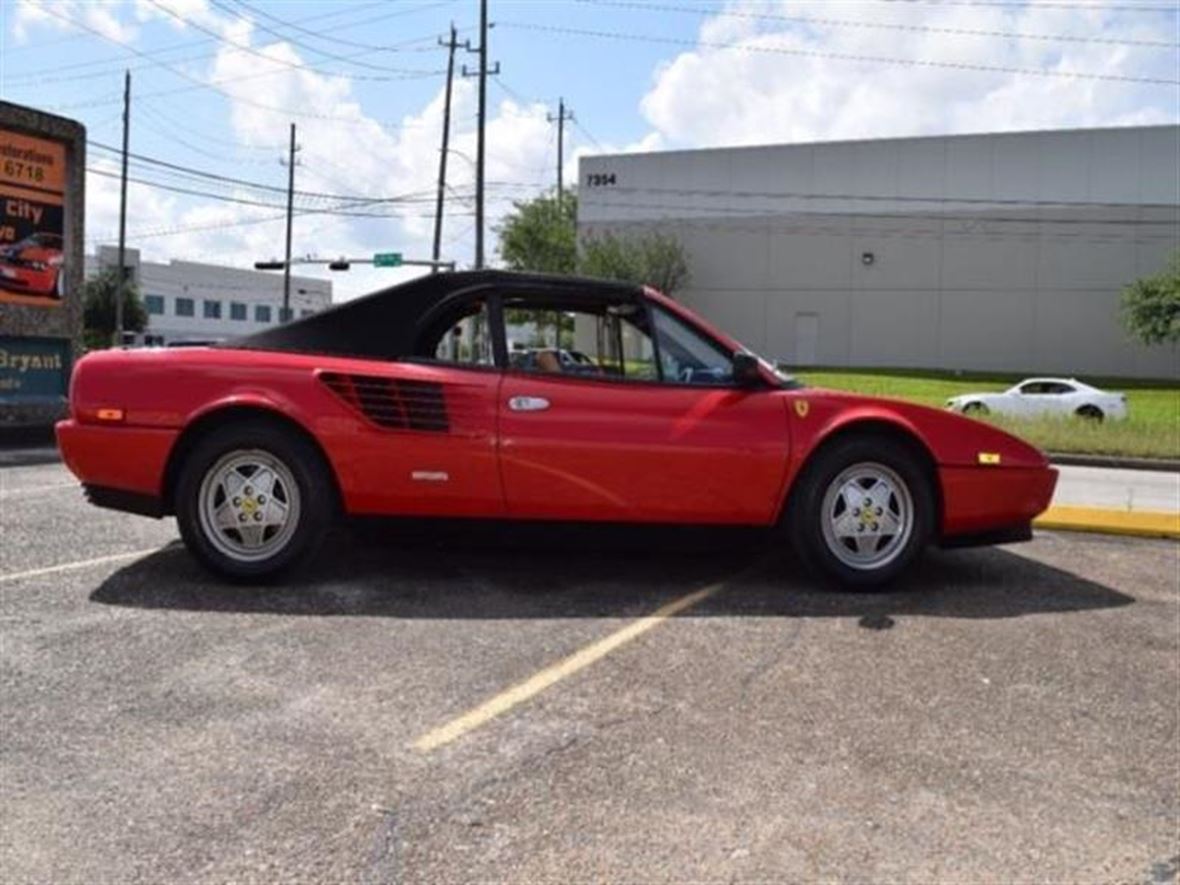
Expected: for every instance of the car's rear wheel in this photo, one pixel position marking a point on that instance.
(863, 510)
(253, 499)
(1090, 413)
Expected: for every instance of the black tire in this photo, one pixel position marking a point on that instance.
(806, 516)
(316, 499)
(975, 409)
(1090, 413)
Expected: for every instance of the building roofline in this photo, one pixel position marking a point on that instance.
(1077, 130)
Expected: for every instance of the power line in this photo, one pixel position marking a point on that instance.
(891, 26)
(295, 26)
(1041, 4)
(258, 203)
(347, 59)
(117, 61)
(199, 84)
(245, 47)
(215, 176)
(839, 56)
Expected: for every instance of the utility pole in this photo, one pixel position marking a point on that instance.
(122, 276)
(286, 312)
(483, 108)
(560, 119)
(451, 45)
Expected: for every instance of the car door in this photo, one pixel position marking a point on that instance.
(634, 438)
(1031, 399)
(428, 446)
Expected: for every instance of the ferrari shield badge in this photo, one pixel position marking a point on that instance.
(802, 407)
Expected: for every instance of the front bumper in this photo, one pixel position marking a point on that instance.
(117, 459)
(981, 500)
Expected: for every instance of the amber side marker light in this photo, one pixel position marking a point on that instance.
(109, 415)
(989, 457)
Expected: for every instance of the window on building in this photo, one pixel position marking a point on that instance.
(184, 307)
(306, 312)
(154, 304)
(237, 310)
(262, 313)
(285, 314)
(212, 310)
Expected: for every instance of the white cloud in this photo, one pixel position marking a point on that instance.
(58, 14)
(747, 91)
(343, 150)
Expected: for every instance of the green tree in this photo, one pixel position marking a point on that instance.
(539, 235)
(98, 309)
(652, 259)
(1151, 306)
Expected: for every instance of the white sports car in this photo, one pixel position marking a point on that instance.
(1034, 397)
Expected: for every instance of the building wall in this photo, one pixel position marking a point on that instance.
(213, 283)
(994, 252)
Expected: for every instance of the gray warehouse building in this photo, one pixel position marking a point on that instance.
(969, 252)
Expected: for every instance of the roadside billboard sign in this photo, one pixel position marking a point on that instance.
(33, 370)
(32, 219)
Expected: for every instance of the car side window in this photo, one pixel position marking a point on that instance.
(1058, 387)
(687, 357)
(601, 341)
(465, 339)
(1032, 388)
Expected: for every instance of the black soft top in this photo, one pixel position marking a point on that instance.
(387, 324)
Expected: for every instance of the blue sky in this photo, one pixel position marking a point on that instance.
(222, 79)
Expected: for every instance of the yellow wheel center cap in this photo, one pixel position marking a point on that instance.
(249, 505)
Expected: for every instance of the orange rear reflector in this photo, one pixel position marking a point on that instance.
(109, 415)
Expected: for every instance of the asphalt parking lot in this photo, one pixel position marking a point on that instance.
(503, 706)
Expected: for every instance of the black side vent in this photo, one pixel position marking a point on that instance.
(395, 403)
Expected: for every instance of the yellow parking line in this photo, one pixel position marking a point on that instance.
(81, 563)
(534, 685)
(1146, 523)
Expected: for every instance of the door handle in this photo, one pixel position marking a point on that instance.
(528, 404)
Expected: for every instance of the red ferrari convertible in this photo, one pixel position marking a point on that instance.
(413, 401)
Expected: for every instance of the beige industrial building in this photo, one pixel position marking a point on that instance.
(973, 252)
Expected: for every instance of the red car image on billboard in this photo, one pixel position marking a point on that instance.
(33, 266)
(32, 199)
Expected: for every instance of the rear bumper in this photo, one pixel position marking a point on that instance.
(977, 501)
(118, 463)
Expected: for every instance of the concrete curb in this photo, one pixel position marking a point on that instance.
(1115, 461)
(1140, 523)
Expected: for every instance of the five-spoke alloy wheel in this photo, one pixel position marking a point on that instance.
(862, 509)
(252, 499)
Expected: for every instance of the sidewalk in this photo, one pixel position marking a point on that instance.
(1101, 499)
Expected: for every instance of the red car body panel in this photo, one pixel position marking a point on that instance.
(603, 450)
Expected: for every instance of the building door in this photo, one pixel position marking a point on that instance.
(806, 338)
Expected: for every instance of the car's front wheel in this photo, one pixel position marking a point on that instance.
(862, 510)
(252, 500)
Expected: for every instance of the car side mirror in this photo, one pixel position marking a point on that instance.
(746, 371)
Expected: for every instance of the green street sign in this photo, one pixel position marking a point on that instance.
(387, 259)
